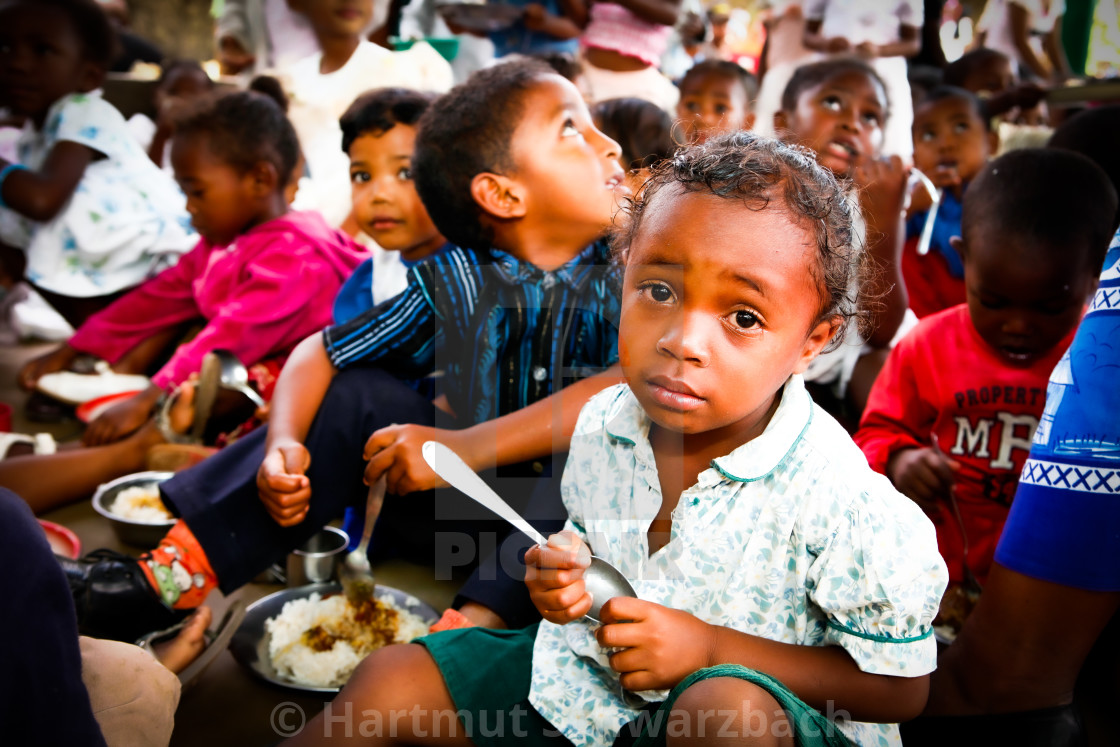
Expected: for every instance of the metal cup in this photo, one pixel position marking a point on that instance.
(314, 562)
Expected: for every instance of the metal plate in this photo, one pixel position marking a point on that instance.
(250, 643)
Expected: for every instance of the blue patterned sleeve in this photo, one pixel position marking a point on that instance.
(879, 581)
(399, 334)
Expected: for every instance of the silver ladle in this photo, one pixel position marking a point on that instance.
(601, 579)
(235, 377)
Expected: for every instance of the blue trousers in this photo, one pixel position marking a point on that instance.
(443, 528)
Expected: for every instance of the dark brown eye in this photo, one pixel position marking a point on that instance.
(745, 319)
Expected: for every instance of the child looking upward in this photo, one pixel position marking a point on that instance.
(642, 130)
(961, 431)
(260, 279)
(84, 214)
(716, 97)
(379, 134)
(523, 322)
(952, 142)
(777, 575)
(837, 108)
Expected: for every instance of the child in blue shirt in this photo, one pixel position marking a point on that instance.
(778, 578)
(520, 315)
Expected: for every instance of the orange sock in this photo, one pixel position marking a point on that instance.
(178, 569)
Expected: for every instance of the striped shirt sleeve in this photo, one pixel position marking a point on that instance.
(399, 334)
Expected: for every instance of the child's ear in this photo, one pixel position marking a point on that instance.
(815, 342)
(92, 77)
(958, 245)
(781, 121)
(498, 195)
(264, 179)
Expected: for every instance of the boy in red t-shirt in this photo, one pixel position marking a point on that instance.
(954, 409)
(952, 142)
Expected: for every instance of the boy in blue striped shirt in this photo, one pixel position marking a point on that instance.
(521, 318)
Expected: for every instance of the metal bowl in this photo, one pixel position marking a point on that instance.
(136, 533)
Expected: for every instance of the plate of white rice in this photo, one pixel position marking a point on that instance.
(310, 638)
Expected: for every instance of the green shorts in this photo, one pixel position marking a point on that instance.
(488, 672)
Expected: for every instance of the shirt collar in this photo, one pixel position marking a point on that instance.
(574, 273)
(753, 460)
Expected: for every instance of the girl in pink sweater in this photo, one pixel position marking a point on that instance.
(260, 279)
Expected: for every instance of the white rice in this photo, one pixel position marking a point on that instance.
(298, 662)
(142, 504)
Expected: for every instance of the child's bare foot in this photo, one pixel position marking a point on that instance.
(181, 416)
(188, 645)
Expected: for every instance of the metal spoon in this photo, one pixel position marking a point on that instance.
(354, 572)
(602, 580)
(235, 376)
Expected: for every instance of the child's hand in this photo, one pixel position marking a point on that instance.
(867, 50)
(882, 188)
(837, 45)
(924, 475)
(660, 645)
(57, 360)
(119, 421)
(554, 575)
(535, 16)
(396, 452)
(282, 483)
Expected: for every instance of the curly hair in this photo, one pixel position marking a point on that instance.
(467, 132)
(816, 73)
(89, 23)
(377, 111)
(762, 173)
(244, 128)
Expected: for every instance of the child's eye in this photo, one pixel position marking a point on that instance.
(570, 130)
(405, 174)
(991, 303)
(926, 136)
(359, 177)
(831, 102)
(722, 109)
(657, 292)
(692, 107)
(961, 127)
(745, 319)
(872, 118)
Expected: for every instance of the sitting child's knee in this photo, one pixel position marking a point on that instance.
(731, 708)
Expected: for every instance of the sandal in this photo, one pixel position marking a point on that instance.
(41, 443)
(217, 641)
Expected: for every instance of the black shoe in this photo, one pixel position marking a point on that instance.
(113, 598)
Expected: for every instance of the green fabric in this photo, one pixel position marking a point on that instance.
(812, 729)
(1077, 22)
(487, 673)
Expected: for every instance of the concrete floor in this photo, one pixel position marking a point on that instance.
(227, 705)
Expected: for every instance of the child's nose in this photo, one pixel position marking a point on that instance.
(1018, 325)
(687, 339)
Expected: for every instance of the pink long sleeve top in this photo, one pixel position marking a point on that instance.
(258, 296)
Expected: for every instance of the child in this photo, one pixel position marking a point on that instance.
(379, 132)
(837, 108)
(952, 142)
(643, 131)
(739, 510)
(259, 280)
(716, 97)
(523, 323)
(86, 209)
(180, 83)
(326, 83)
(961, 432)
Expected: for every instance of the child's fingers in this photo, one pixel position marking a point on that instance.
(381, 439)
(623, 609)
(569, 543)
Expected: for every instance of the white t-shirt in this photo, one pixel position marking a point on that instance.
(996, 21)
(874, 21)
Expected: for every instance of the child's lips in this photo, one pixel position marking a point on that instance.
(617, 182)
(674, 394)
(842, 149)
(381, 223)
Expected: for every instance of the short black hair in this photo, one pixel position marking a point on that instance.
(566, 64)
(271, 87)
(923, 79)
(377, 111)
(467, 132)
(91, 25)
(244, 128)
(815, 73)
(642, 129)
(727, 69)
(760, 171)
(1052, 199)
(957, 72)
(1092, 133)
(942, 93)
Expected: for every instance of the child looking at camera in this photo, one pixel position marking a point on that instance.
(777, 576)
(837, 108)
(960, 432)
(379, 134)
(84, 213)
(952, 142)
(716, 96)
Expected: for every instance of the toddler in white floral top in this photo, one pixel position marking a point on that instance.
(785, 591)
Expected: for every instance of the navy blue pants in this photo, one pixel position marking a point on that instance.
(218, 500)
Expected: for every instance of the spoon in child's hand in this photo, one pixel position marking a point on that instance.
(601, 579)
